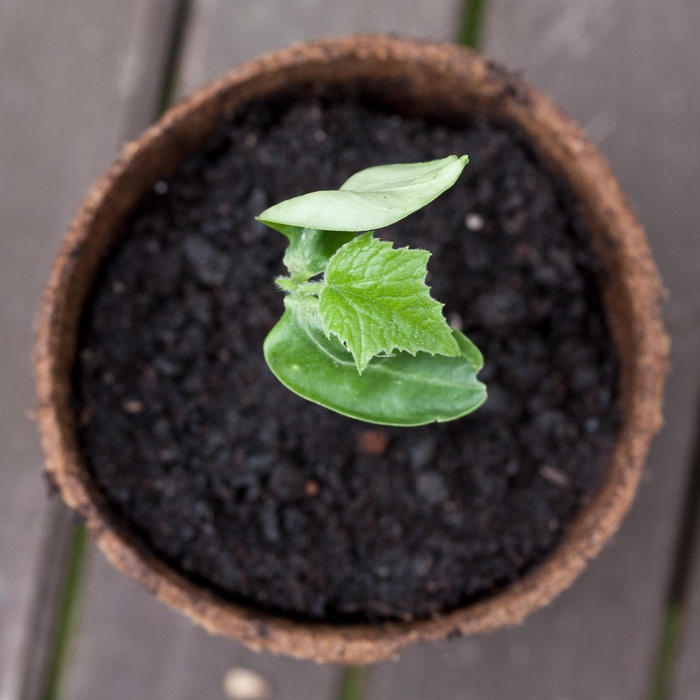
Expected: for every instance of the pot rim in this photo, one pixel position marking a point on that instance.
(631, 294)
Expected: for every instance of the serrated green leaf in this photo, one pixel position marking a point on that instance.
(375, 301)
(371, 199)
(403, 390)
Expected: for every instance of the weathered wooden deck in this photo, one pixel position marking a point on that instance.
(78, 77)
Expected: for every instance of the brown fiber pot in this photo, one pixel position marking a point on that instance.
(416, 77)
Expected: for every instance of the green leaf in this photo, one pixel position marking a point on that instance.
(403, 390)
(375, 301)
(309, 250)
(371, 199)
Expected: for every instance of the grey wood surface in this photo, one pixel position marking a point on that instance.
(131, 646)
(628, 71)
(685, 676)
(150, 651)
(224, 33)
(66, 84)
(36, 659)
(79, 76)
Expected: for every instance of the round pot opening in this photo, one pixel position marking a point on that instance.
(417, 79)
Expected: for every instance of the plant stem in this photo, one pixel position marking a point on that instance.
(174, 53)
(668, 647)
(470, 31)
(299, 286)
(352, 683)
(67, 614)
(682, 578)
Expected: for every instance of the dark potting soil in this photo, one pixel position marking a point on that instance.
(274, 501)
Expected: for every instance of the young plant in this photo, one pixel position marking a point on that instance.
(366, 339)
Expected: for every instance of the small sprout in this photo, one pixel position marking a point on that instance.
(367, 340)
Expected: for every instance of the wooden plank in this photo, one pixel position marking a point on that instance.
(685, 676)
(65, 88)
(131, 646)
(625, 69)
(224, 33)
(38, 659)
(127, 645)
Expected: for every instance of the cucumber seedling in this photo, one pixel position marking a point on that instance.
(360, 333)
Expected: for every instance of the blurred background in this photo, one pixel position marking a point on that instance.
(77, 79)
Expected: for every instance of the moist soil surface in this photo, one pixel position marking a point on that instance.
(278, 503)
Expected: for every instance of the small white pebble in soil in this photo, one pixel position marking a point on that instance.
(554, 476)
(119, 287)
(320, 136)
(243, 684)
(133, 406)
(474, 222)
(250, 139)
(161, 187)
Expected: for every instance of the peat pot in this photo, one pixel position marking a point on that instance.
(413, 79)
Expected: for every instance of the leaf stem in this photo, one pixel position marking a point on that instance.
(299, 286)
